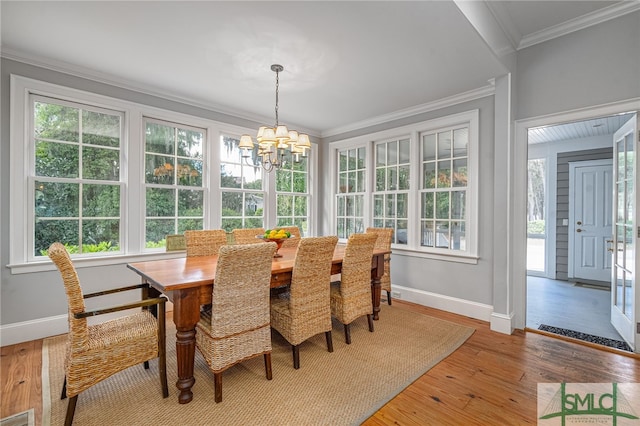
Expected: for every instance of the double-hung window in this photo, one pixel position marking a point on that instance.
(76, 186)
(292, 194)
(241, 187)
(391, 193)
(173, 176)
(350, 214)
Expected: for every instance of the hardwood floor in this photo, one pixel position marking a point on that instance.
(491, 379)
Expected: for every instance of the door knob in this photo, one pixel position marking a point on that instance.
(579, 222)
(578, 230)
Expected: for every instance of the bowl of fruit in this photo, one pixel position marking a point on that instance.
(278, 236)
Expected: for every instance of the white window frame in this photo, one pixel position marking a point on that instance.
(413, 247)
(132, 173)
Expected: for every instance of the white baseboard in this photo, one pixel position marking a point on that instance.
(26, 331)
(446, 303)
(502, 323)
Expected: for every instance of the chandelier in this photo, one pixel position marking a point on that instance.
(273, 142)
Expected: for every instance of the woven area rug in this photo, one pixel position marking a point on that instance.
(340, 388)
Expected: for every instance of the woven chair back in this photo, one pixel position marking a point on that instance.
(205, 242)
(311, 278)
(241, 288)
(356, 266)
(295, 233)
(247, 236)
(383, 242)
(78, 330)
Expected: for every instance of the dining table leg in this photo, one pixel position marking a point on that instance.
(186, 313)
(376, 289)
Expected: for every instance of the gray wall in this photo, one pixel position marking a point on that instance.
(593, 66)
(562, 202)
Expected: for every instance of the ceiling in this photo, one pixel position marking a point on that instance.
(344, 62)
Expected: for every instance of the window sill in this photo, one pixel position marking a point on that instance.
(79, 263)
(468, 259)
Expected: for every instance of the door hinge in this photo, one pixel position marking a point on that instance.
(638, 331)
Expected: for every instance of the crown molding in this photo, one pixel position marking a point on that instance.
(471, 95)
(99, 77)
(590, 19)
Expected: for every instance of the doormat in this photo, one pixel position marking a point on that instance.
(591, 286)
(618, 344)
(21, 419)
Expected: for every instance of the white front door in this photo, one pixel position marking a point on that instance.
(624, 300)
(590, 220)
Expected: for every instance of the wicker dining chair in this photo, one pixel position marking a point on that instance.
(384, 243)
(96, 352)
(351, 296)
(247, 235)
(295, 233)
(237, 327)
(205, 242)
(304, 310)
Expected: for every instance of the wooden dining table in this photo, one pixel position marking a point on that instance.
(188, 283)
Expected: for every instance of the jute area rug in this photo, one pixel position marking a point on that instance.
(340, 388)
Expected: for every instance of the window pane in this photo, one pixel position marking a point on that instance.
(160, 139)
(342, 186)
(231, 204)
(341, 206)
(442, 235)
(460, 172)
(160, 202)
(403, 177)
(156, 231)
(390, 202)
(57, 159)
(360, 181)
(392, 178)
(49, 231)
(402, 205)
(350, 202)
(400, 234)
(283, 180)
(362, 158)
(190, 203)
(444, 174)
(342, 162)
(100, 235)
(444, 145)
(351, 181)
(460, 142)
(341, 228)
(100, 164)
(392, 153)
(100, 129)
(429, 175)
(159, 169)
(253, 204)
(189, 172)
(230, 176)
(458, 204)
(100, 200)
(359, 206)
(381, 155)
(429, 147)
(378, 205)
(56, 122)
(405, 151)
(427, 205)
(56, 199)
(353, 162)
(284, 205)
(380, 179)
(300, 206)
(188, 224)
(190, 143)
(458, 237)
(442, 205)
(427, 233)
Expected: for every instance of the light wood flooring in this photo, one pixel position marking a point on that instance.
(490, 380)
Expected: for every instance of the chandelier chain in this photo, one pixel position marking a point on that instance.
(277, 92)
